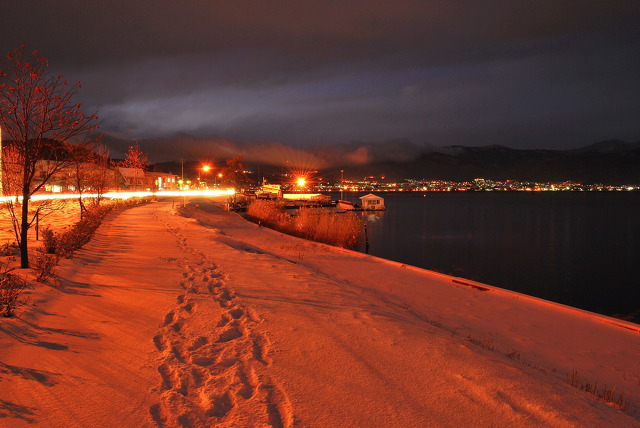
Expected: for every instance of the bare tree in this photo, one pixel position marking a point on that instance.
(234, 173)
(101, 176)
(137, 160)
(12, 174)
(37, 114)
(90, 172)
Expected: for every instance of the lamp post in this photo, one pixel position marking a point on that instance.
(204, 169)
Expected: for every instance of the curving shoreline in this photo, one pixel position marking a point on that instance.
(162, 319)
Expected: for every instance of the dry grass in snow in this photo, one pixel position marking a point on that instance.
(317, 224)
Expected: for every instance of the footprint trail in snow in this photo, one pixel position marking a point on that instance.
(214, 360)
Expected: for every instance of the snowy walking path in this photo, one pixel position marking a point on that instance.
(212, 321)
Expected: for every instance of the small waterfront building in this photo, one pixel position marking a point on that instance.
(371, 202)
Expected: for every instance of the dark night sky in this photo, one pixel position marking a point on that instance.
(205, 78)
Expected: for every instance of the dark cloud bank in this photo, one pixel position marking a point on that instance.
(306, 81)
(610, 162)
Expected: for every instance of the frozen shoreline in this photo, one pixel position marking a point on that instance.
(238, 325)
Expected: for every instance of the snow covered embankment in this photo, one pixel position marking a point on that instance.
(214, 321)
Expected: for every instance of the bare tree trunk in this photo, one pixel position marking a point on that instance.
(80, 183)
(82, 207)
(24, 232)
(24, 220)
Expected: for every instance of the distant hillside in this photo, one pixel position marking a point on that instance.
(610, 162)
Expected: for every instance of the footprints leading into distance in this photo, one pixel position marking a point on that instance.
(213, 360)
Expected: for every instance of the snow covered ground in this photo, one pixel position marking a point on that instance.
(163, 320)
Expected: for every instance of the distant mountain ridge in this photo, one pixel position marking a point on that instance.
(609, 146)
(608, 162)
(612, 162)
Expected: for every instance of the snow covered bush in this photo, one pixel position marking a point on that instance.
(9, 249)
(11, 286)
(80, 233)
(44, 266)
(49, 241)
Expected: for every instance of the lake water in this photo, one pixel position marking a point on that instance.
(580, 249)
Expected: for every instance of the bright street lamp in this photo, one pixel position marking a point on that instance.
(204, 169)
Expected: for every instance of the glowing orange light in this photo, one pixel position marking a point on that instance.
(301, 181)
(206, 168)
(124, 195)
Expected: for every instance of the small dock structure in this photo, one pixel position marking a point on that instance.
(308, 200)
(372, 202)
(269, 191)
(343, 205)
